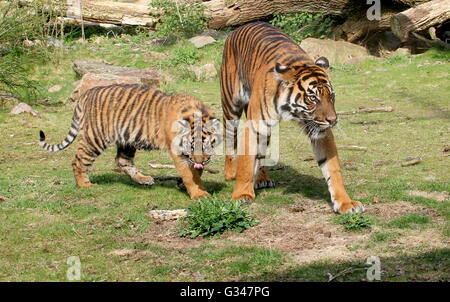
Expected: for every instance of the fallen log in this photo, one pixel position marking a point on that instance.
(367, 110)
(420, 18)
(410, 3)
(358, 26)
(234, 12)
(93, 12)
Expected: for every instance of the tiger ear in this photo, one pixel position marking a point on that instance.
(182, 127)
(285, 73)
(213, 125)
(323, 62)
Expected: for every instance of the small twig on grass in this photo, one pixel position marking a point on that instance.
(412, 162)
(365, 266)
(153, 164)
(367, 110)
(352, 147)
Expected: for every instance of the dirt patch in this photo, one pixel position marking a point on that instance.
(305, 230)
(389, 211)
(165, 235)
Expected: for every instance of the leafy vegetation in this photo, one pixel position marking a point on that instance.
(183, 19)
(354, 222)
(23, 32)
(213, 215)
(304, 25)
(184, 55)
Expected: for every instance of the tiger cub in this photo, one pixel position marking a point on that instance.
(139, 117)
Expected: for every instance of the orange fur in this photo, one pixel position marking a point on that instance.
(139, 117)
(268, 77)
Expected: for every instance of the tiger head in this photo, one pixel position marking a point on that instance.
(197, 138)
(306, 95)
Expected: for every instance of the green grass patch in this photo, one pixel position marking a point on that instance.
(212, 216)
(409, 221)
(354, 222)
(380, 237)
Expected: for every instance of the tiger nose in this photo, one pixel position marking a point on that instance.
(332, 120)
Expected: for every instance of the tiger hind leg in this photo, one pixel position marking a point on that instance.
(83, 161)
(125, 162)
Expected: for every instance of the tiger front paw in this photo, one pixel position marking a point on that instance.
(350, 206)
(199, 194)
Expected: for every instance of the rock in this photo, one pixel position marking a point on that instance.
(22, 107)
(55, 88)
(200, 41)
(83, 67)
(148, 77)
(206, 72)
(337, 52)
(401, 52)
(216, 34)
(164, 215)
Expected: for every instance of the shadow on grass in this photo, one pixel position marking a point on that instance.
(430, 266)
(112, 178)
(294, 182)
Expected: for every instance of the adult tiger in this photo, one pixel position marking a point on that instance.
(140, 117)
(267, 75)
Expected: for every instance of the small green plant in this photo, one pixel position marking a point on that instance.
(178, 18)
(304, 25)
(409, 221)
(354, 222)
(213, 216)
(184, 55)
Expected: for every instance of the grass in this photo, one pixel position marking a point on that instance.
(354, 222)
(46, 219)
(409, 221)
(212, 216)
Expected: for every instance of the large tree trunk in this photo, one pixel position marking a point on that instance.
(410, 2)
(358, 27)
(419, 18)
(109, 12)
(234, 12)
